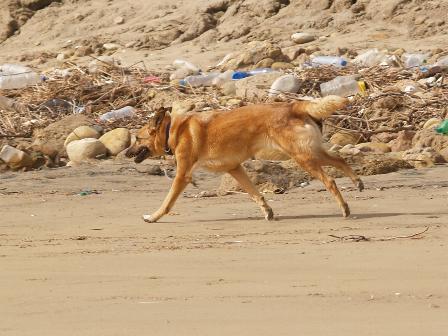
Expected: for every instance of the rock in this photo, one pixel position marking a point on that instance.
(267, 176)
(432, 123)
(180, 107)
(116, 140)
(119, 20)
(349, 149)
(15, 158)
(402, 142)
(344, 138)
(282, 66)
(286, 83)
(423, 157)
(265, 63)
(358, 8)
(50, 140)
(420, 19)
(111, 46)
(301, 38)
(374, 147)
(36, 4)
(429, 138)
(83, 51)
(254, 52)
(389, 103)
(293, 52)
(61, 57)
(384, 137)
(233, 102)
(228, 88)
(82, 132)
(85, 149)
(255, 86)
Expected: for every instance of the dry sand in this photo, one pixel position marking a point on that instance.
(87, 265)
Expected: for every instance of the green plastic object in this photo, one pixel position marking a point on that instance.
(443, 127)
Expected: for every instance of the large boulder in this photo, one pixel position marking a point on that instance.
(15, 158)
(257, 86)
(374, 147)
(116, 140)
(50, 140)
(83, 150)
(402, 142)
(423, 157)
(429, 138)
(254, 52)
(82, 132)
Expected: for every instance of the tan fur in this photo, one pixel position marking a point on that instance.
(221, 140)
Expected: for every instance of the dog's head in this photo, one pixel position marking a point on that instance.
(150, 139)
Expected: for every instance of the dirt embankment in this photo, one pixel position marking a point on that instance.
(35, 31)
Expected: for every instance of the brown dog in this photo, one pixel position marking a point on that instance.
(221, 140)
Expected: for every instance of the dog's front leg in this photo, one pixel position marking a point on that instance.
(183, 177)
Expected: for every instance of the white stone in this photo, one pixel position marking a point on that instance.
(301, 38)
(85, 149)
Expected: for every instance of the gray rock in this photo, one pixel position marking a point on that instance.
(301, 38)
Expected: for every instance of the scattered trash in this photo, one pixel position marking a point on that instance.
(14, 76)
(370, 58)
(328, 60)
(443, 127)
(151, 79)
(124, 112)
(87, 192)
(343, 86)
(414, 60)
(199, 80)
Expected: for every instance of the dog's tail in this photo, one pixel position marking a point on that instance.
(320, 108)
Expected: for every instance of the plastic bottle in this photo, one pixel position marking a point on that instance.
(223, 78)
(260, 71)
(443, 127)
(443, 61)
(414, 60)
(125, 112)
(199, 80)
(343, 86)
(179, 63)
(328, 60)
(14, 76)
(370, 58)
(240, 75)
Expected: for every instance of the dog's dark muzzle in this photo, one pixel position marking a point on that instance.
(140, 154)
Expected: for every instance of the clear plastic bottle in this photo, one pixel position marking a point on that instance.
(199, 80)
(125, 112)
(13, 76)
(179, 63)
(328, 60)
(370, 58)
(343, 86)
(414, 60)
(260, 71)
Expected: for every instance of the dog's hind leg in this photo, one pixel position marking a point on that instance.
(240, 175)
(314, 168)
(339, 163)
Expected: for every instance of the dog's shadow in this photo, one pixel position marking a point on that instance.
(352, 217)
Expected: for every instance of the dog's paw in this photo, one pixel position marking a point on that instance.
(269, 215)
(360, 185)
(346, 211)
(148, 219)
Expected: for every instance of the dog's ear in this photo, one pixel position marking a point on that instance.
(158, 117)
